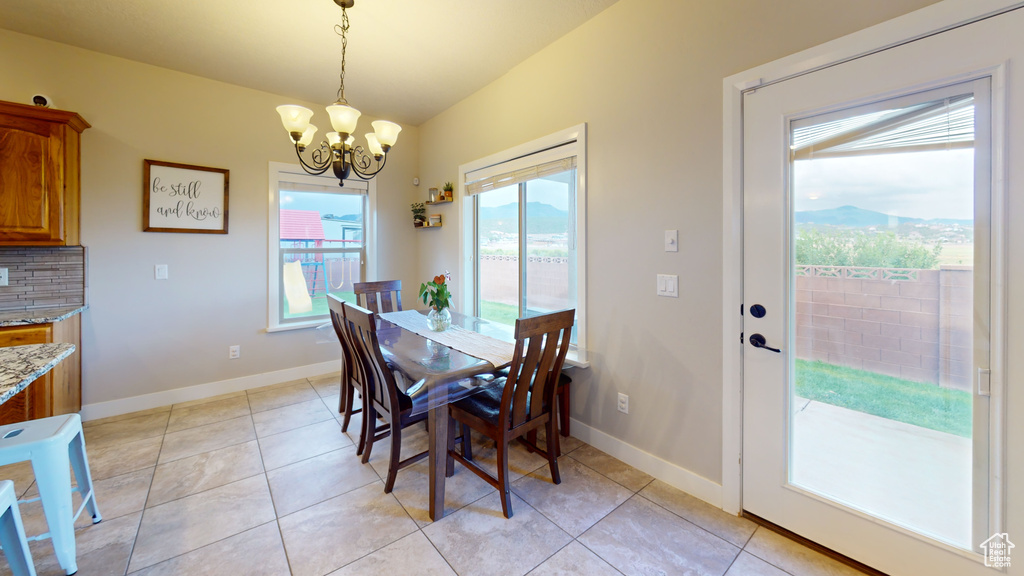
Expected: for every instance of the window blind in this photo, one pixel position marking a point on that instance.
(545, 163)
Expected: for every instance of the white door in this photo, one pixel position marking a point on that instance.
(869, 425)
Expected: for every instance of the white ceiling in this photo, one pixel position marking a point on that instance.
(408, 60)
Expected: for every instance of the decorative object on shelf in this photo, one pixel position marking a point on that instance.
(337, 152)
(419, 213)
(184, 198)
(436, 295)
(434, 195)
(435, 220)
(448, 189)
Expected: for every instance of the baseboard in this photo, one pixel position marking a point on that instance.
(663, 470)
(199, 391)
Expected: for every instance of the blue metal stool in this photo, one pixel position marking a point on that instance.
(51, 444)
(12, 533)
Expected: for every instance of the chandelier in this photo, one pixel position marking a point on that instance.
(337, 152)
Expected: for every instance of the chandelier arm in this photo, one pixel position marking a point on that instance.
(361, 168)
(319, 164)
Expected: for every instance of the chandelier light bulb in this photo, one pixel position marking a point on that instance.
(343, 117)
(374, 145)
(307, 136)
(295, 119)
(387, 133)
(334, 139)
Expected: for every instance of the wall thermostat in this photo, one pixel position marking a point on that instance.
(415, 181)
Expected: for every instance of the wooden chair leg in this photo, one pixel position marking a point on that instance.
(345, 404)
(369, 430)
(503, 487)
(563, 410)
(553, 450)
(396, 456)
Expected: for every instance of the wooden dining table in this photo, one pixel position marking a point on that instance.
(442, 373)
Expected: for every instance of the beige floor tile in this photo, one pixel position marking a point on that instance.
(183, 418)
(327, 385)
(520, 460)
(270, 387)
(411, 555)
(116, 497)
(640, 537)
(128, 416)
(574, 560)
(290, 417)
(21, 474)
(316, 479)
(195, 521)
(268, 399)
(117, 459)
(101, 549)
(216, 398)
(583, 497)
(295, 445)
(732, 528)
(748, 565)
(129, 430)
(324, 537)
(178, 445)
(793, 557)
(414, 441)
(478, 539)
(612, 467)
(413, 484)
(204, 471)
(256, 552)
(569, 444)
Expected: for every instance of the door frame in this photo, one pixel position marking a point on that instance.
(927, 21)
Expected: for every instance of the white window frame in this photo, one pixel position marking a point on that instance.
(283, 172)
(577, 355)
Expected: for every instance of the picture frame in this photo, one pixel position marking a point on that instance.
(184, 198)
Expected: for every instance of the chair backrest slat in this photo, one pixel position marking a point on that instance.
(349, 368)
(382, 296)
(383, 390)
(541, 345)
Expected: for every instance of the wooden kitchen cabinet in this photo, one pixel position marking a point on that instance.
(57, 392)
(39, 175)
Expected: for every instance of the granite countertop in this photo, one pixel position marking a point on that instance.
(21, 365)
(39, 316)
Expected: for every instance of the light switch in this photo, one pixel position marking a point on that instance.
(671, 240)
(160, 271)
(668, 285)
(4, 277)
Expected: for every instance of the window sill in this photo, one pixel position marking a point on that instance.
(298, 325)
(576, 359)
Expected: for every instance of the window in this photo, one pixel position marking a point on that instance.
(523, 231)
(320, 243)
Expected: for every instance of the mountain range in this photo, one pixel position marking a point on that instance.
(511, 210)
(853, 217)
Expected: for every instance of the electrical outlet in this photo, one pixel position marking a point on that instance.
(160, 271)
(623, 403)
(4, 277)
(234, 351)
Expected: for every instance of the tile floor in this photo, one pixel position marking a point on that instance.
(263, 482)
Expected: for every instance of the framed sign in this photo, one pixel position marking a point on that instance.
(184, 198)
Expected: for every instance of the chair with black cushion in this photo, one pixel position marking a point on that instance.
(381, 396)
(515, 405)
(352, 376)
(377, 297)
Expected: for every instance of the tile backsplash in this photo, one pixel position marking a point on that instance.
(43, 277)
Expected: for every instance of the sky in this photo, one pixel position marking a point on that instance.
(937, 184)
(325, 203)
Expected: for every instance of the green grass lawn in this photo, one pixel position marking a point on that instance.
(917, 403)
(501, 313)
(320, 305)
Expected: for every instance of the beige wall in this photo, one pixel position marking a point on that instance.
(141, 335)
(646, 76)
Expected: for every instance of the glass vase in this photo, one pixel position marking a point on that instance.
(439, 320)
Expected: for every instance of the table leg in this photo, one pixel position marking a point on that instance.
(438, 436)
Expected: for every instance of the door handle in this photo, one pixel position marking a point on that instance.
(758, 341)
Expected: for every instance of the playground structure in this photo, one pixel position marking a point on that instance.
(321, 273)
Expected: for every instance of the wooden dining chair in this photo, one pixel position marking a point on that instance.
(516, 405)
(381, 397)
(377, 297)
(352, 375)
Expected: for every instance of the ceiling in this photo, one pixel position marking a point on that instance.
(408, 60)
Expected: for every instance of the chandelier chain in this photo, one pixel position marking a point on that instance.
(342, 30)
